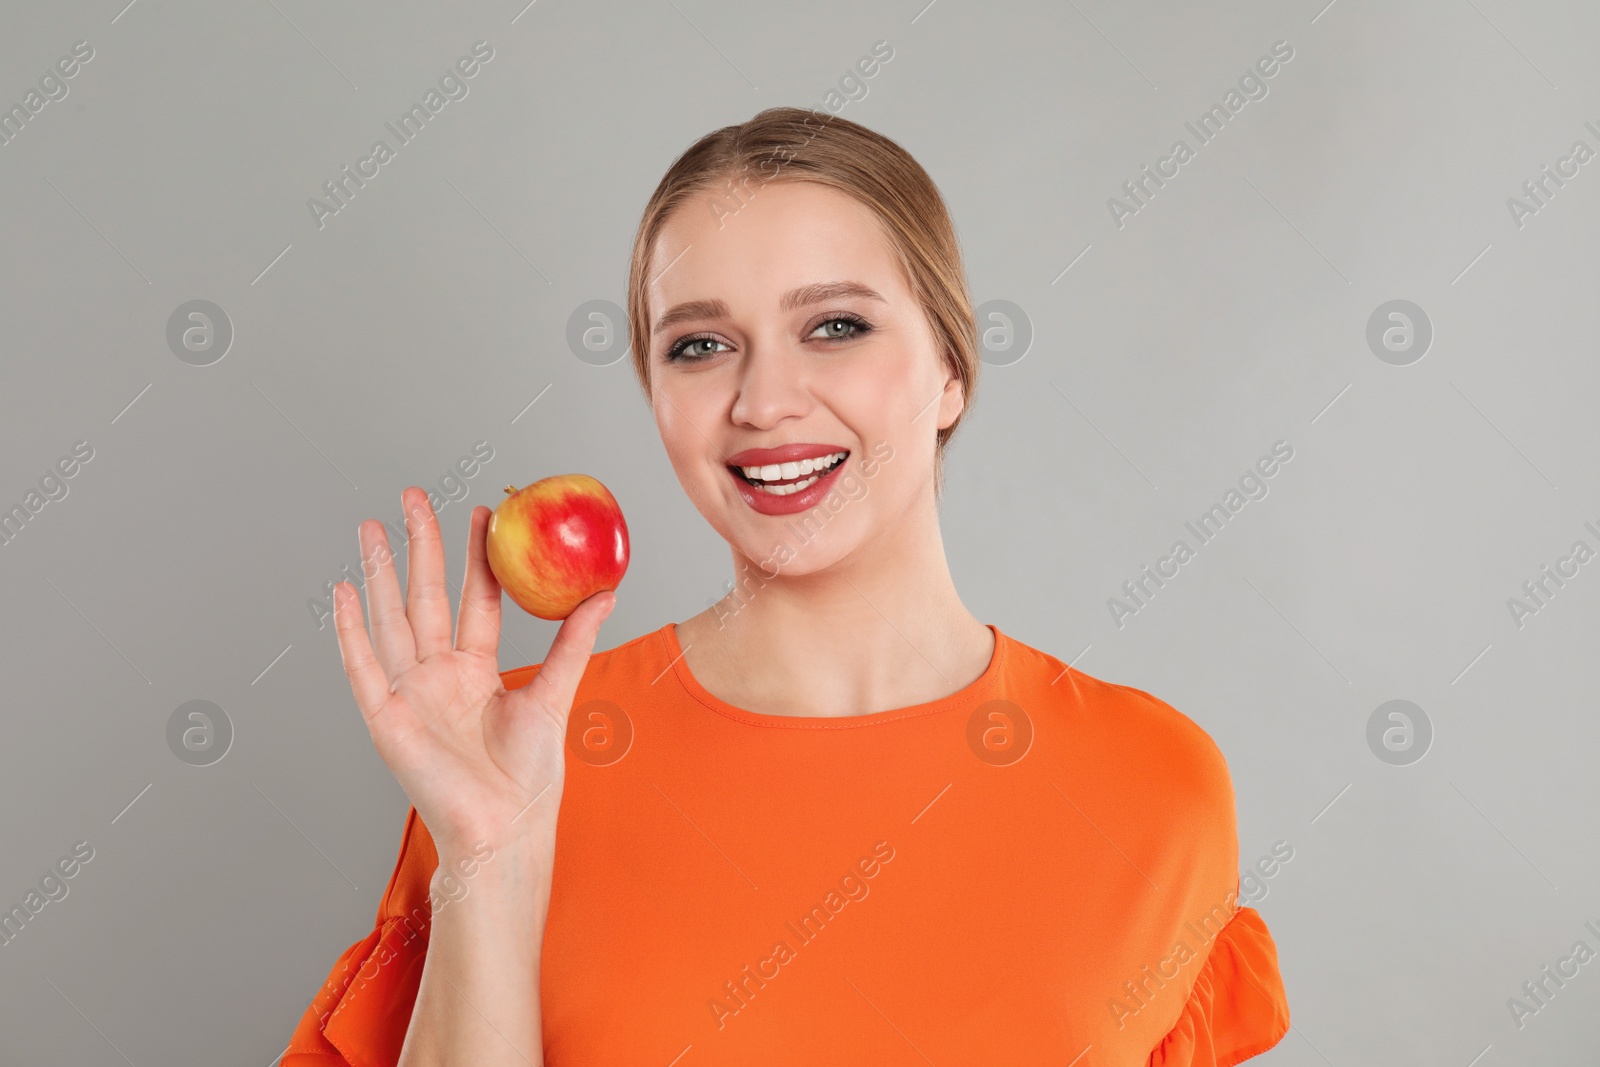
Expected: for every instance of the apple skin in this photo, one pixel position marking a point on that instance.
(557, 542)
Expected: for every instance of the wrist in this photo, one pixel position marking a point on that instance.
(510, 868)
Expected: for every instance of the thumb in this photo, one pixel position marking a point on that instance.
(556, 684)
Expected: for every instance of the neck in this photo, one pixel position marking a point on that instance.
(880, 629)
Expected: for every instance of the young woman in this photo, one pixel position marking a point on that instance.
(836, 818)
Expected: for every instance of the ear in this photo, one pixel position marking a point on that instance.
(953, 401)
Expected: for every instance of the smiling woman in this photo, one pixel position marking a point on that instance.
(1054, 836)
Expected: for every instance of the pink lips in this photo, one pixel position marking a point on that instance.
(760, 457)
(768, 504)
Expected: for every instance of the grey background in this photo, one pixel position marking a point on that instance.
(1229, 313)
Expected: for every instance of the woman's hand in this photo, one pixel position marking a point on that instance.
(478, 762)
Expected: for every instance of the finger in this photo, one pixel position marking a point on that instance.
(391, 631)
(427, 604)
(367, 680)
(554, 687)
(478, 621)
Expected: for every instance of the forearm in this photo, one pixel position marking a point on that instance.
(478, 1001)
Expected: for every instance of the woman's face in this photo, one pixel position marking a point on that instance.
(783, 334)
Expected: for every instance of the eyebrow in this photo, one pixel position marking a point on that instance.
(794, 298)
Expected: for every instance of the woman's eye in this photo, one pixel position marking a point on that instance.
(693, 348)
(839, 328)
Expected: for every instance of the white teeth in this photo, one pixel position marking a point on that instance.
(774, 471)
(785, 490)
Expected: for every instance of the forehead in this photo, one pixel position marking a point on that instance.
(785, 235)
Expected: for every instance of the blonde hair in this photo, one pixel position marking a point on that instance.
(797, 144)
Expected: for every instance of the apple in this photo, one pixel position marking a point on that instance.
(557, 542)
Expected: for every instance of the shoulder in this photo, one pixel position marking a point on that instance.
(1131, 732)
(1173, 741)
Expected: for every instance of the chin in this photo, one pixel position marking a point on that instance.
(799, 545)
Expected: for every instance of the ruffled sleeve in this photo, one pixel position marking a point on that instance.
(1237, 1008)
(360, 1015)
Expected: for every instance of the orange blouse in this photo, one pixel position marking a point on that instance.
(1040, 869)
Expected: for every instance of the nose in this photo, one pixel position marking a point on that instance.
(772, 386)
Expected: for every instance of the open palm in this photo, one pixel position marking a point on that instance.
(475, 759)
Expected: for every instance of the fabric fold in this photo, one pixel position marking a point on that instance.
(359, 1018)
(1237, 1008)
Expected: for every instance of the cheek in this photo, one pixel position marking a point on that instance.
(692, 458)
(887, 401)
(676, 419)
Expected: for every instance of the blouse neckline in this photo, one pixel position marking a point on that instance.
(969, 696)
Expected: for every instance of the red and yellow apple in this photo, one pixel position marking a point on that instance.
(557, 542)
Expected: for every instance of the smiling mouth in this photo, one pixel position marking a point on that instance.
(782, 479)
